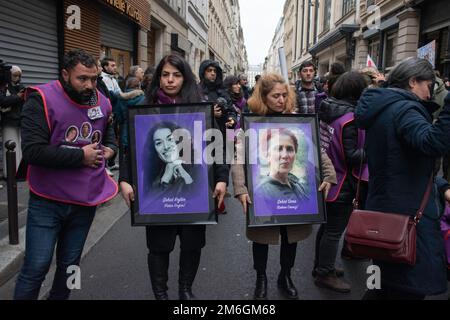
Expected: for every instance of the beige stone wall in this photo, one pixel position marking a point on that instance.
(220, 38)
(407, 40)
(170, 25)
(408, 34)
(290, 14)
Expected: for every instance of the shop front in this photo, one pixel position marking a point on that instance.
(435, 26)
(112, 29)
(29, 38)
(339, 45)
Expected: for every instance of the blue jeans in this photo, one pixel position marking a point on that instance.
(48, 224)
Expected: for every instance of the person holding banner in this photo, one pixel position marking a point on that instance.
(173, 83)
(273, 96)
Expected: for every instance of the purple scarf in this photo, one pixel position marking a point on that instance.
(163, 98)
(241, 103)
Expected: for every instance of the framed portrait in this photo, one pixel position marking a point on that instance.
(172, 182)
(283, 170)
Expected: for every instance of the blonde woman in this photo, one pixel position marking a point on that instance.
(273, 96)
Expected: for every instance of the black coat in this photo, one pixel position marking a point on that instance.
(212, 91)
(12, 102)
(402, 145)
(331, 110)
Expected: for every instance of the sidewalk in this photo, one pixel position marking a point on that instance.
(11, 257)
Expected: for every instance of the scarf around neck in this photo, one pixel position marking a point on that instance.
(163, 98)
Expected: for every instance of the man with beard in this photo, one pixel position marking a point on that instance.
(66, 184)
(306, 89)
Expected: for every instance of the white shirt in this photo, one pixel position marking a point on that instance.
(111, 83)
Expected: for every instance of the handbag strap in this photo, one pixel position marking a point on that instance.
(425, 199)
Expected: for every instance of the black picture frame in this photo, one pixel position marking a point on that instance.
(140, 120)
(271, 207)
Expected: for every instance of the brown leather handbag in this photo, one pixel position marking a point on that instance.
(389, 237)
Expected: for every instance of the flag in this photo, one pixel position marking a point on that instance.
(370, 62)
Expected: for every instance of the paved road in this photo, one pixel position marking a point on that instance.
(116, 268)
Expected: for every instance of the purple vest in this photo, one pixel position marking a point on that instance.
(71, 126)
(331, 142)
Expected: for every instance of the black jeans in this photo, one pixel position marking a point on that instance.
(329, 236)
(287, 254)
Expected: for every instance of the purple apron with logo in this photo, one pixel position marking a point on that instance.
(331, 142)
(73, 126)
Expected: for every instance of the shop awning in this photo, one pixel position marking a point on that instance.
(340, 33)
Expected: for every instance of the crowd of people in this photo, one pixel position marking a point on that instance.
(386, 133)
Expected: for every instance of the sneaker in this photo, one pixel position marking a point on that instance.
(109, 172)
(332, 282)
(114, 167)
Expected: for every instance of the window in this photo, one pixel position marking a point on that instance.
(390, 51)
(370, 3)
(374, 50)
(347, 6)
(326, 15)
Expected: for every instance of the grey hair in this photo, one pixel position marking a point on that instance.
(133, 70)
(130, 81)
(412, 68)
(16, 69)
(243, 76)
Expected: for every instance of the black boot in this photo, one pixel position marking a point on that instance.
(158, 266)
(286, 285)
(189, 262)
(261, 286)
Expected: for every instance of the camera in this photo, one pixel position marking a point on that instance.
(222, 104)
(5, 73)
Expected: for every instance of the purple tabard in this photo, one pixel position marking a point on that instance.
(332, 143)
(72, 126)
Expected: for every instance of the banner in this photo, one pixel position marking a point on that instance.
(428, 52)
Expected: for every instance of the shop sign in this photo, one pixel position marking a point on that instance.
(127, 8)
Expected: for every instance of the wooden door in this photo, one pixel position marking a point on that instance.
(123, 61)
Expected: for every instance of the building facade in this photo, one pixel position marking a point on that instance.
(225, 38)
(240, 62)
(347, 31)
(272, 63)
(197, 20)
(290, 18)
(253, 71)
(169, 30)
(36, 34)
